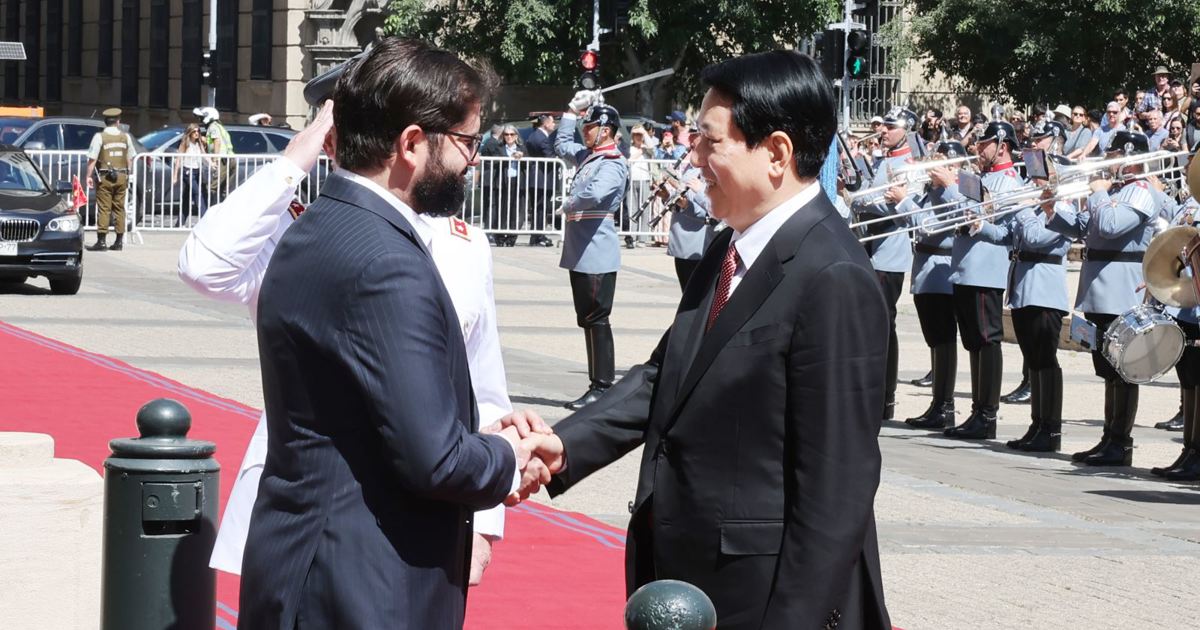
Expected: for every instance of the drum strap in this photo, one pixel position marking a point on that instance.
(1035, 257)
(930, 250)
(1106, 255)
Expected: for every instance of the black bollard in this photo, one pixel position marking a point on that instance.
(160, 513)
(670, 605)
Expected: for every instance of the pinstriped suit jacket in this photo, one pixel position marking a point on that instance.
(373, 468)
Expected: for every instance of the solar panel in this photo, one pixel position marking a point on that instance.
(12, 51)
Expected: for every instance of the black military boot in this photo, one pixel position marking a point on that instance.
(101, 244)
(890, 377)
(924, 381)
(1188, 469)
(1048, 392)
(1118, 451)
(1022, 393)
(1109, 397)
(601, 365)
(981, 424)
(1176, 422)
(940, 414)
(118, 244)
(1035, 413)
(1188, 405)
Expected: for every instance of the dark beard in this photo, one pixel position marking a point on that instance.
(441, 192)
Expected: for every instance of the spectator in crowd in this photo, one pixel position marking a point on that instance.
(195, 166)
(1179, 91)
(1022, 131)
(1191, 132)
(505, 207)
(1121, 98)
(679, 128)
(931, 127)
(541, 178)
(962, 129)
(877, 125)
(1079, 134)
(1162, 83)
(1195, 94)
(1112, 116)
(492, 137)
(1174, 139)
(1039, 114)
(667, 149)
(1062, 114)
(651, 136)
(1170, 109)
(1155, 131)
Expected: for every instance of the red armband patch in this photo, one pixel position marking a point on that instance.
(295, 209)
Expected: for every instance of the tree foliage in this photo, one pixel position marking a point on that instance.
(538, 41)
(1077, 51)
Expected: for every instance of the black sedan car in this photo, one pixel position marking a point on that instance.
(40, 233)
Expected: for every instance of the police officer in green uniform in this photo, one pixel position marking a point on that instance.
(110, 156)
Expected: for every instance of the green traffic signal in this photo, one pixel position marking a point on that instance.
(856, 68)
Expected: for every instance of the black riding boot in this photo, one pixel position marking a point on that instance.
(1118, 451)
(1035, 413)
(1176, 422)
(1109, 402)
(940, 414)
(601, 365)
(1023, 392)
(982, 422)
(1048, 403)
(927, 380)
(893, 372)
(1188, 407)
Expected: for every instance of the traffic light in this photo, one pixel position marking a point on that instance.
(864, 8)
(589, 62)
(829, 46)
(614, 14)
(858, 54)
(206, 69)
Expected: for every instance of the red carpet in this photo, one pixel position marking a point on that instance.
(85, 399)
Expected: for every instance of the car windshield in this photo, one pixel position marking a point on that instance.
(157, 138)
(17, 173)
(11, 129)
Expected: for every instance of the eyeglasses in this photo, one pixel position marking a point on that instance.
(1113, 112)
(509, 135)
(473, 141)
(1077, 113)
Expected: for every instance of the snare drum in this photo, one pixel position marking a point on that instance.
(1142, 344)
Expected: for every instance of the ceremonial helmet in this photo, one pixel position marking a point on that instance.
(951, 148)
(900, 117)
(1048, 128)
(603, 115)
(1000, 131)
(1128, 143)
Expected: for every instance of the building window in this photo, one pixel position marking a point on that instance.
(33, 51)
(12, 33)
(130, 53)
(54, 49)
(104, 44)
(75, 39)
(260, 40)
(189, 57)
(226, 61)
(160, 55)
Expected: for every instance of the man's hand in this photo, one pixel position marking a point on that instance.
(896, 193)
(525, 421)
(547, 458)
(481, 557)
(582, 100)
(1098, 185)
(942, 177)
(305, 147)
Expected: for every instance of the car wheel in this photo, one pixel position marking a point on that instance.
(66, 285)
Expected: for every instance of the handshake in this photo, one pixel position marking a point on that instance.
(539, 452)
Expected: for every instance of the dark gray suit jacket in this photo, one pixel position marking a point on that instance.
(761, 455)
(363, 517)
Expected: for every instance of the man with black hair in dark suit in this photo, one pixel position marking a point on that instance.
(759, 409)
(541, 178)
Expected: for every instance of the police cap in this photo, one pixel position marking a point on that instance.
(1128, 143)
(1000, 131)
(320, 87)
(111, 112)
(604, 115)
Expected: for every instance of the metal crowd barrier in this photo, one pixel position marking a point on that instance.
(171, 191)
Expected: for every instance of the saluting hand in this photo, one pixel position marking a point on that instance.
(305, 147)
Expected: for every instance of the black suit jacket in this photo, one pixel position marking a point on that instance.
(761, 456)
(373, 470)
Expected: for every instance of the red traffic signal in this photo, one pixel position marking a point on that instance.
(589, 60)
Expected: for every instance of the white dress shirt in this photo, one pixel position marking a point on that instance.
(225, 257)
(751, 242)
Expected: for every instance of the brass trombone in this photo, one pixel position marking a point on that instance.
(915, 174)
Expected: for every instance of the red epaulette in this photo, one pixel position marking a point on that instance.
(458, 227)
(295, 209)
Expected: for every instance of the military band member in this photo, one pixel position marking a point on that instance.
(691, 229)
(1186, 467)
(1037, 295)
(932, 291)
(110, 155)
(1116, 227)
(892, 256)
(591, 251)
(979, 277)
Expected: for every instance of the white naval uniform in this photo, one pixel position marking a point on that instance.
(225, 257)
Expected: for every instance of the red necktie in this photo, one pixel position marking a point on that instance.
(724, 282)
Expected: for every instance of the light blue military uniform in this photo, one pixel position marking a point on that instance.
(1179, 215)
(893, 253)
(977, 262)
(690, 231)
(1031, 282)
(931, 264)
(1122, 222)
(590, 243)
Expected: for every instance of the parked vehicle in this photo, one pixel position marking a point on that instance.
(40, 233)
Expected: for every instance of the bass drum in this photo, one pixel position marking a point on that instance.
(1143, 344)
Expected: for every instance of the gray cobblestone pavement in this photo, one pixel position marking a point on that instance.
(972, 535)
